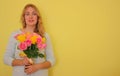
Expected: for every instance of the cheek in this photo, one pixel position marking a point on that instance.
(26, 18)
(35, 18)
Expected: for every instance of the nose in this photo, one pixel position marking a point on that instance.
(31, 16)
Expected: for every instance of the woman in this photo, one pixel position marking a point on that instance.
(32, 22)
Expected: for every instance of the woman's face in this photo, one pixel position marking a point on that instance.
(30, 16)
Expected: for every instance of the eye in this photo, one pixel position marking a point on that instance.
(34, 13)
(26, 14)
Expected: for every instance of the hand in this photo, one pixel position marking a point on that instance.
(31, 68)
(25, 61)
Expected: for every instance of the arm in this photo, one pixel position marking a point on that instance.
(49, 51)
(20, 62)
(10, 49)
(35, 67)
(10, 53)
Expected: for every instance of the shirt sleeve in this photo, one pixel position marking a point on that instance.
(10, 50)
(49, 50)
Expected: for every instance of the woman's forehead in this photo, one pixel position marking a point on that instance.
(30, 9)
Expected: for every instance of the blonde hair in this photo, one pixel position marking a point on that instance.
(39, 26)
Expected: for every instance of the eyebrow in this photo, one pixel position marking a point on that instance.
(32, 12)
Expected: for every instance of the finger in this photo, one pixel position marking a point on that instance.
(30, 71)
(27, 71)
(27, 66)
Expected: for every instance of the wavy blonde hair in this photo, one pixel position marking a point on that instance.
(39, 26)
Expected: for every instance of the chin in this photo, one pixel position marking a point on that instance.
(31, 24)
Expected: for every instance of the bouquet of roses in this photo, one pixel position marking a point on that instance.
(31, 45)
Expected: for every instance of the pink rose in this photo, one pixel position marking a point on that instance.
(22, 46)
(39, 40)
(28, 42)
(41, 46)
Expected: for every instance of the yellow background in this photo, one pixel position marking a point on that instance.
(85, 34)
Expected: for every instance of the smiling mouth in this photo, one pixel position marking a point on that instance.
(30, 20)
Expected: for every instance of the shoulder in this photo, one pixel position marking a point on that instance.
(46, 35)
(14, 33)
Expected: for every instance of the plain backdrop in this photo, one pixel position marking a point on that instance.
(85, 34)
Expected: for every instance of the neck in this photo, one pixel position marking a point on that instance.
(29, 29)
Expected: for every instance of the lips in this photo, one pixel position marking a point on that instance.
(30, 20)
